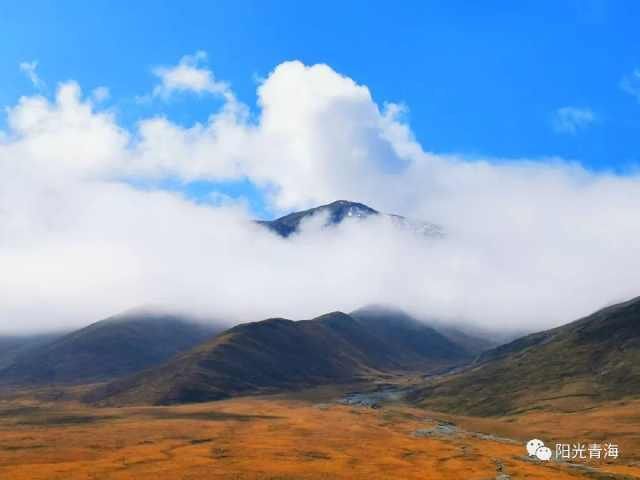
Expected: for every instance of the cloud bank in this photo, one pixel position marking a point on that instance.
(529, 244)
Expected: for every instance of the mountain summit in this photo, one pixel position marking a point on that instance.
(339, 211)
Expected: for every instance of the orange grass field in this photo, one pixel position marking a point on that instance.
(296, 437)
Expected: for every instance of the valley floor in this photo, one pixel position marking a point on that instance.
(303, 436)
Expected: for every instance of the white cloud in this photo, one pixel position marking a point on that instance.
(29, 69)
(529, 243)
(64, 138)
(100, 94)
(572, 119)
(631, 84)
(189, 75)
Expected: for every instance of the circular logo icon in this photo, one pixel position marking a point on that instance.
(544, 454)
(536, 448)
(533, 445)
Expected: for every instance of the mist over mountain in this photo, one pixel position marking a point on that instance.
(369, 257)
(214, 258)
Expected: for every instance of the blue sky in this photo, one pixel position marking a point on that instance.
(479, 79)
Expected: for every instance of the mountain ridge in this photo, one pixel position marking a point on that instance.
(278, 354)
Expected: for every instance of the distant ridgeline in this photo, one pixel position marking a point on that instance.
(278, 354)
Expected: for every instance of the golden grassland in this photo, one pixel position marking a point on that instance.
(303, 436)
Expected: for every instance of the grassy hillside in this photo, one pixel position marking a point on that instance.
(110, 348)
(593, 359)
(281, 354)
(11, 346)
